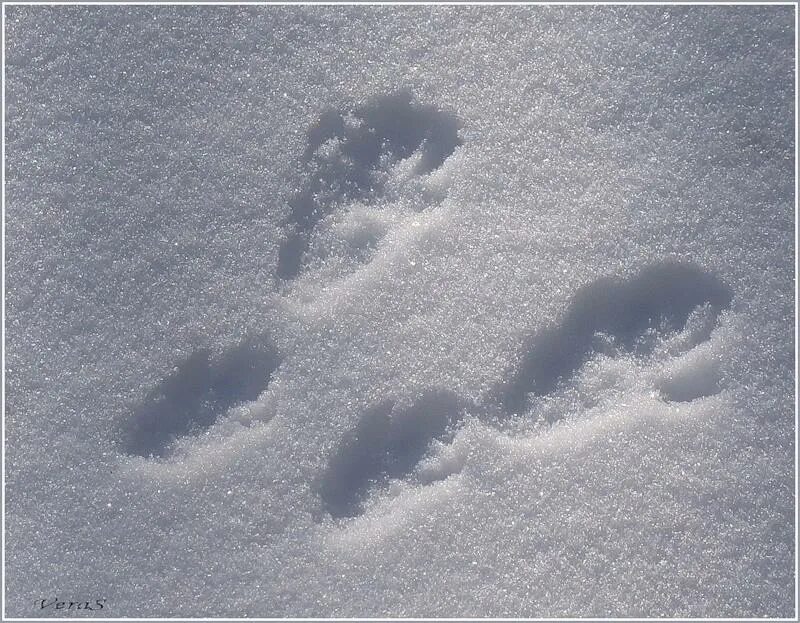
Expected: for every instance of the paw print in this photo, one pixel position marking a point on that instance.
(197, 393)
(355, 159)
(617, 316)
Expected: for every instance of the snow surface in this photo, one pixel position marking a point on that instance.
(400, 311)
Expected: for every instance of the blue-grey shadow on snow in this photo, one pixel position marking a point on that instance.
(388, 442)
(347, 151)
(661, 296)
(197, 393)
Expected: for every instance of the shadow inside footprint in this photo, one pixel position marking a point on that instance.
(661, 297)
(697, 380)
(387, 443)
(197, 393)
(348, 150)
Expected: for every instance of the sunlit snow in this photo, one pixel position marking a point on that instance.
(399, 311)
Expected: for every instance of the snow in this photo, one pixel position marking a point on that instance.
(400, 311)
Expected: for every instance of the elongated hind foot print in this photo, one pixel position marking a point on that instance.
(628, 314)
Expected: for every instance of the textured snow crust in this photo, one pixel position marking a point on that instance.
(400, 311)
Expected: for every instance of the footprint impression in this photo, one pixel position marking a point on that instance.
(200, 390)
(632, 316)
(387, 443)
(350, 159)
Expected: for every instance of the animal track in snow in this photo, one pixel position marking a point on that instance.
(199, 391)
(634, 316)
(631, 313)
(350, 157)
(388, 442)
